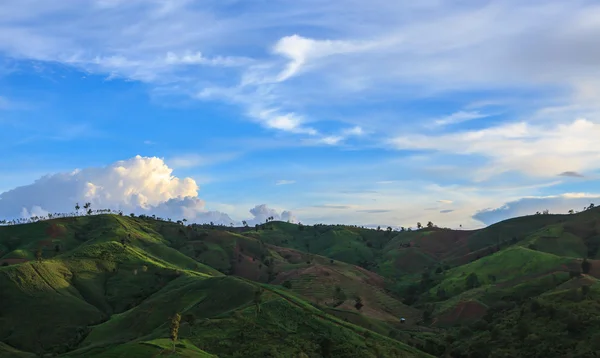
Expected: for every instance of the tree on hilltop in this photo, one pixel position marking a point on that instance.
(419, 226)
(430, 224)
(77, 207)
(87, 207)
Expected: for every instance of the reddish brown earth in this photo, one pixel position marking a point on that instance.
(371, 278)
(462, 312)
(12, 261)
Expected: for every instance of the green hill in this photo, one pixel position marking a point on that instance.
(108, 286)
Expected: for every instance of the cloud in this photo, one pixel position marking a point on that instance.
(446, 211)
(261, 212)
(459, 117)
(196, 160)
(330, 206)
(197, 58)
(374, 211)
(142, 185)
(300, 50)
(284, 182)
(535, 150)
(139, 184)
(571, 174)
(556, 204)
(445, 201)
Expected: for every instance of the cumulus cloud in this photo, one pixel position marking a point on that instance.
(142, 185)
(261, 212)
(556, 204)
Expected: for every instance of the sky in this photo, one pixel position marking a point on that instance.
(352, 112)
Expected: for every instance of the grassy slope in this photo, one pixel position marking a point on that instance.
(97, 297)
(117, 294)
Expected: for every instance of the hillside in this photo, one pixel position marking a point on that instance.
(108, 285)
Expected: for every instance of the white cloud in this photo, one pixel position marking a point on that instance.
(300, 50)
(143, 185)
(556, 204)
(459, 117)
(536, 150)
(197, 58)
(261, 212)
(196, 160)
(284, 182)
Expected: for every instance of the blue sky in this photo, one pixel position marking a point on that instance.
(369, 113)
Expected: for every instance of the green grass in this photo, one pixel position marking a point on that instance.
(99, 298)
(513, 263)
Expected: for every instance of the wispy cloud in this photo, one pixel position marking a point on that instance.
(332, 206)
(284, 182)
(537, 150)
(192, 160)
(571, 174)
(459, 117)
(374, 211)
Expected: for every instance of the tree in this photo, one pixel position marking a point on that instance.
(419, 226)
(358, 305)
(472, 281)
(57, 248)
(77, 207)
(258, 299)
(38, 255)
(586, 266)
(175, 328)
(571, 211)
(430, 224)
(87, 207)
(402, 228)
(287, 284)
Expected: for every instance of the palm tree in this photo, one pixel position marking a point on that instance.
(87, 207)
(77, 207)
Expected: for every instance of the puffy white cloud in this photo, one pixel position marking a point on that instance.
(262, 212)
(556, 204)
(142, 185)
(138, 183)
(288, 216)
